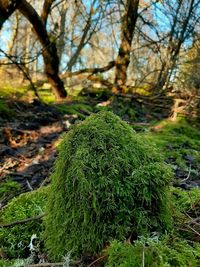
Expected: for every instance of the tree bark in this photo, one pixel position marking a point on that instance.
(46, 10)
(7, 7)
(50, 56)
(123, 59)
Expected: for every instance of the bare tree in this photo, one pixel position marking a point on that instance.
(127, 30)
(185, 16)
(50, 56)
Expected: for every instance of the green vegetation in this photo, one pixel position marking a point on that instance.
(79, 109)
(108, 183)
(186, 209)
(177, 141)
(15, 239)
(5, 111)
(9, 187)
(13, 91)
(167, 252)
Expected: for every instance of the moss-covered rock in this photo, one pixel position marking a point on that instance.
(107, 183)
(15, 239)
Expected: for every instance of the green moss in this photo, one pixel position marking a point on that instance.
(6, 263)
(46, 95)
(176, 140)
(10, 188)
(108, 182)
(187, 201)
(154, 253)
(15, 239)
(79, 109)
(186, 208)
(11, 91)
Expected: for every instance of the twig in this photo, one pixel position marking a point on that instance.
(143, 264)
(29, 185)
(188, 176)
(45, 264)
(193, 230)
(100, 258)
(192, 220)
(25, 73)
(23, 221)
(195, 221)
(50, 264)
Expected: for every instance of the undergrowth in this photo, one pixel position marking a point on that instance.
(176, 140)
(8, 189)
(186, 213)
(168, 251)
(79, 109)
(5, 111)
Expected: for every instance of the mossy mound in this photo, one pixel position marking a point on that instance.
(108, 183)
(15, 239)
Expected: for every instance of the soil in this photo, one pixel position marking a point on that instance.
(28, 144)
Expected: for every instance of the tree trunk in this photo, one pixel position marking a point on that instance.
(50, 56)
(45, 11)
(7, 7)
(123, 59)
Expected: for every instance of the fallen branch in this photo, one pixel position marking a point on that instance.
(45, 264)
(50, 264)
(193, 230)
(23, 221)
(188, 176)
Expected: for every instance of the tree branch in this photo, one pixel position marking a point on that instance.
(23, 221)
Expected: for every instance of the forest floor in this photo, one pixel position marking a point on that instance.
(30, 133)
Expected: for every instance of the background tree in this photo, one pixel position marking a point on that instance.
(127, 29)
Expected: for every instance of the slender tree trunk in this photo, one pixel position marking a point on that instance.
(174, 46)
(82, 42)
(123, 59)
(12, 43)
(61, 39)
(50, 56)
